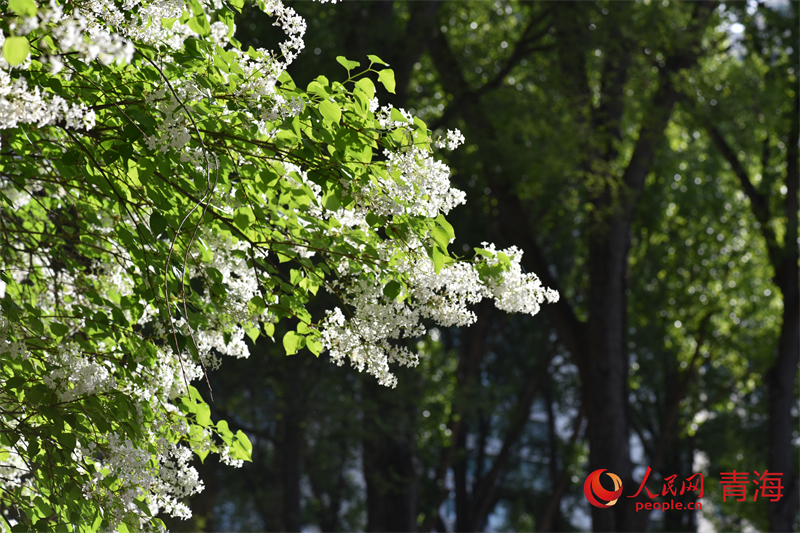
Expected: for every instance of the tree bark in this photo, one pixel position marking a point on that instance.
(289, 447)
(390, 466)
(781, 377)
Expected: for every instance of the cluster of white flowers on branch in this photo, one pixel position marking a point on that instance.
(443, 297)
(177, 210)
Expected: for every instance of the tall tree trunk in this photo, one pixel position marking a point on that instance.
(598, 346)
(289, 451)
(605, 382)
(203, 503)
(781, 380)
(781, 377)
(390, 465)
(290, 463)
(463, 503)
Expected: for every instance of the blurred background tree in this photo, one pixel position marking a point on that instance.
(644, 155)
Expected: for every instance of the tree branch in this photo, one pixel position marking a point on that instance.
(461, 92)
(563, 481)
(758, 201)
(570, 329)
(483, 493)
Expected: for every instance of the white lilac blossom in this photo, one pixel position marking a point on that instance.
(365, 338)
(452, 140)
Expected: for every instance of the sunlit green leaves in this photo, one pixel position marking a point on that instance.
(330, 111)
(386, 77)
(241, 448)
(365, 86)
(15, 50)
(346, 63)
(23, 8)
(291, 342)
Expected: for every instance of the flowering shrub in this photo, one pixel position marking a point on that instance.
(164, 193)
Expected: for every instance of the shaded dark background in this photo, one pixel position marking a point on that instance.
(644, 155)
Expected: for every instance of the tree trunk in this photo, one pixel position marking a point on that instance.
(390, 465)
(290, 466)
(781, 377)
(605, 382)
(463, 504)
(289, 452)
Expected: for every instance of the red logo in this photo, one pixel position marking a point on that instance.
(592, 487)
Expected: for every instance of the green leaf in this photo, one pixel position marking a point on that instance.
(141, 504)
(158, 224)
(191, 407)
(446, 226)
(202, 454)
(375, 220)
(295, 276)
(243, 218)
(290, 342)
(253, 333)
(346, 63)
(23, 8)
(285, 79)
(59, 329)
(242, 448)
(199, 24)
(224, 432)
(392, 289)
(256, 305)
(36, 325)
(15, 50)
(330, 111)
(67, 441)
(386, 77)
(504, 259)
(396, 115)
(33, 448)
(366, 86)
(376, 59)
(438, 259)
(43, 507)
(195, 394)
(203, 415)
(484, 253)
(440, 237)
(316, 88)
(331, 200)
